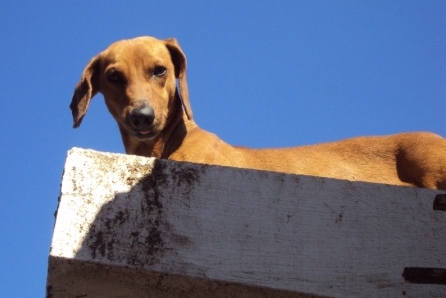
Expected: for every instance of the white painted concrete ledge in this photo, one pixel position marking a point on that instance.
(129, 226)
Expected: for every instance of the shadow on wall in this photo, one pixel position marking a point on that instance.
(144, 253)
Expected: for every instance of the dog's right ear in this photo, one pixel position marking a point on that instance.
(86, 88)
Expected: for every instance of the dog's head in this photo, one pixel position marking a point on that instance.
(138, 80)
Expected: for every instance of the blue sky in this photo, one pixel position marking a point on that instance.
(261, 74)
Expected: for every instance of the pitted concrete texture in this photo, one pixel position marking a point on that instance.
(130, 226)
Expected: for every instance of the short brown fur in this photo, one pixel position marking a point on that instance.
(417, 159)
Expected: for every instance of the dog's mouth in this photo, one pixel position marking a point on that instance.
(141, 134)
(145, 134)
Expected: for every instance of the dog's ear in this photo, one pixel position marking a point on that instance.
(179, 61)
(84, 91)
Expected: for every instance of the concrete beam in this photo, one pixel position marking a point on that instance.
(129, 226)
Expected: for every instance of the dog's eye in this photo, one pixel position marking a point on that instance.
(159, 71)
(115, 77)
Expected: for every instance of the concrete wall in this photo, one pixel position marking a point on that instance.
(129, 226)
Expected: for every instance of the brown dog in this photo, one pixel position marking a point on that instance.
(138, 80)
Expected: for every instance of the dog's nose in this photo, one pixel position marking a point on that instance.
(142, 118)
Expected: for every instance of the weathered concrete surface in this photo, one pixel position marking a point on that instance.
(137, 227)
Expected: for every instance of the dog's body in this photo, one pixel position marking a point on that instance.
(138, 80)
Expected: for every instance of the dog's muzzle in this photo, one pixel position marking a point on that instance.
(141, 120)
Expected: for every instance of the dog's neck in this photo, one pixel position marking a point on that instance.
(166, 142)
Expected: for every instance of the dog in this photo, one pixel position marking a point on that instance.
(143, 81)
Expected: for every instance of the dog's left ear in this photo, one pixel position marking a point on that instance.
(84, 91)
(179, 61)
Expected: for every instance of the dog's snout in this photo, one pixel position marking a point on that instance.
(142, 118)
